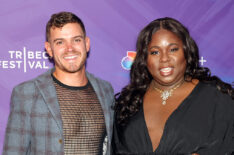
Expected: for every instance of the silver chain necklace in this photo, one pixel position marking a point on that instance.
(165, 94)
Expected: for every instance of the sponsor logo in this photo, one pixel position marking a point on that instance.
(127, 61)
(202, 61)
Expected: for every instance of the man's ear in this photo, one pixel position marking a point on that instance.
(87, 43)
(48, 49)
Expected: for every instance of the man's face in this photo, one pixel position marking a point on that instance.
(68, 46)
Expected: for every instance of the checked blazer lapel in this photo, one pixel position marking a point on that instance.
(47, 90)
(104, 93)
(100, 92)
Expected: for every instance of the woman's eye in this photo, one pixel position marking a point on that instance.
(154, 52)
(174, 49)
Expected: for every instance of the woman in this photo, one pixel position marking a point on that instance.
(172, 105)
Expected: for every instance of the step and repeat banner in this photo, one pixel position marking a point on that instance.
(113, 27)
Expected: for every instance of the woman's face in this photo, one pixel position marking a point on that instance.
(166, 61)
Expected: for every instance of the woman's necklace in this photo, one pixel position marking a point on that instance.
(165, 94)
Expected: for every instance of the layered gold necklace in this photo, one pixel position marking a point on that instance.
(165, 94)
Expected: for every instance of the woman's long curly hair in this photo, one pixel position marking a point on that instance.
(129, 100)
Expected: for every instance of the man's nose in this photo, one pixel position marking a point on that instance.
(69, 47)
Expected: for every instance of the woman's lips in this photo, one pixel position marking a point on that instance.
(166, 71)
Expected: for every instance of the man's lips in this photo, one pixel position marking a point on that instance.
(71, 57)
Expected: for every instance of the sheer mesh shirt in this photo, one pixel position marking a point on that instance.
(82, 117)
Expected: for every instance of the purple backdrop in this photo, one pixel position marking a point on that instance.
(112, 27)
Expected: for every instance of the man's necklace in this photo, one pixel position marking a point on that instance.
(165, 94)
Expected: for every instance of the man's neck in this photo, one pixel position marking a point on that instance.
(71, 79)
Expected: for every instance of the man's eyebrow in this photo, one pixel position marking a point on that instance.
(79, 36)
(57, 39)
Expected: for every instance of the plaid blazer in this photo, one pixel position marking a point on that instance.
(35, 124)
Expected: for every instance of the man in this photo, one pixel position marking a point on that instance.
(65, 110)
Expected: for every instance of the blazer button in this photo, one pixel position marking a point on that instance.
(60, 141)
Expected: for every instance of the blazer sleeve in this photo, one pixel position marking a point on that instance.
(18, 131)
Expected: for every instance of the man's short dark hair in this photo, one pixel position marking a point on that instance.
(60, 19)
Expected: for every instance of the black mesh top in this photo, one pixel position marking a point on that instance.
(83, 119)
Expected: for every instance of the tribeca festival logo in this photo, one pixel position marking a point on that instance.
(127, 61)
(26, 59)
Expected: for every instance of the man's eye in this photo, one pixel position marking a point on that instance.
(174, 49)
(77, 40)
(59, 43)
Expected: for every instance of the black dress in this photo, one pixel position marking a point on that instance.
(203, 123)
